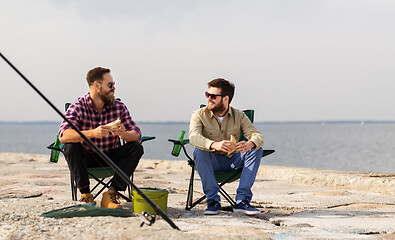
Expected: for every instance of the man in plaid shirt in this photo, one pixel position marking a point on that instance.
(90, 114)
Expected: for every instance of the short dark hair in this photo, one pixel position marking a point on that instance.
(96, 74)
(227, 88)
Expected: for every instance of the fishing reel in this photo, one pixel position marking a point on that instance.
(151, 219)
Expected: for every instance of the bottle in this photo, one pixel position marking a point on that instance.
(177, 147)
(55, 153)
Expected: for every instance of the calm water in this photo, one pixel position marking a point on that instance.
(351, 147)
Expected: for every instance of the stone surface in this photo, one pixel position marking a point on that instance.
(296, 203)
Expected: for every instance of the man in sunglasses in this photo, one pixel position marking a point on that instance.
(210, 131)
(91, 114)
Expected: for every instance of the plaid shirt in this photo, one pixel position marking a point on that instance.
(83, 114)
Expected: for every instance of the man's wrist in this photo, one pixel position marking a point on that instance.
(124, 135)
(252, 144)
(212, 146)
(130, 136)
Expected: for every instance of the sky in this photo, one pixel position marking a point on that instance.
(302, 60)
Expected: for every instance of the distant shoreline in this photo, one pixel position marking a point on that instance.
(329, 122)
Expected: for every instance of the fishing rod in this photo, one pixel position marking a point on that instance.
(102, 155)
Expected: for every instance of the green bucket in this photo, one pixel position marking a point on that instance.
(158, 196)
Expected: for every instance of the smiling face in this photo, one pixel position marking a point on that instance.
(106, 89)
(216, 102)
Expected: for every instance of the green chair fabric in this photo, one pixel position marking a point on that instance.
(222, 177)
(101, 172)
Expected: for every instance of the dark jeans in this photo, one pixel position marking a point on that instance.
(79, 160)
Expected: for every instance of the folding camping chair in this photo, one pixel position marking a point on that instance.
(97, 173)
(222, 177)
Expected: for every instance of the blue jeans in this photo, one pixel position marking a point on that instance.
(208, 162)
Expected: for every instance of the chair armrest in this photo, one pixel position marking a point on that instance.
(184, 142)
(146, 138)
(56, 148)
(267, 152)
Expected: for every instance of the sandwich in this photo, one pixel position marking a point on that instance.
(114, 124)
(233, 140)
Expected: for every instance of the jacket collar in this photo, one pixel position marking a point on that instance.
(230, 112)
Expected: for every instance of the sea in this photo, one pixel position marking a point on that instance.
(348, 146)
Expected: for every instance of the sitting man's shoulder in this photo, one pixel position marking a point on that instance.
(119, 102)
(202, 110)
(236, 111)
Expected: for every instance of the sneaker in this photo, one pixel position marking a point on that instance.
(245, 207)
(110, 199)
(213, 208)
(87, 198)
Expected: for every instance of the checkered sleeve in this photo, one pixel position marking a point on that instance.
(127, 121)
(73, 113)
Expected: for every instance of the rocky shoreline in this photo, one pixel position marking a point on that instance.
(296, 203)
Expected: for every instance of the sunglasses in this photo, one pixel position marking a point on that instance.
(213, 96)
(110, 84)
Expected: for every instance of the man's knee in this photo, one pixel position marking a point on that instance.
(200, 154)
(255, 157)
(259, 152)
(139, 149)
(70, 148)
(252, 156)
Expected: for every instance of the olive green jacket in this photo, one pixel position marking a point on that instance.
(205, 129)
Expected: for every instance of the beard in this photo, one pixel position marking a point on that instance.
(220, 107)
(108, 98)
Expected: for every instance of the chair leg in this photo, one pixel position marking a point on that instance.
(190, 205)
(223, 192)
(124, 197)
(190, 190)
(98, 184)
(100, 181)
(191, 181)
(226, 196)
(197, 202)
(73, 189)
(129, 193)
(106, 185)
(130, 187)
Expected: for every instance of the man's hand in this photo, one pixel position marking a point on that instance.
(119, 131)
(101, 131)
(224, 146)
(244, 146)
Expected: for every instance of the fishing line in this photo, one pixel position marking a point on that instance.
(101, 154)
